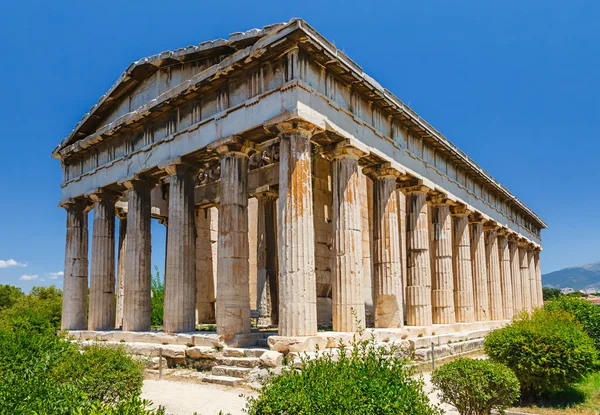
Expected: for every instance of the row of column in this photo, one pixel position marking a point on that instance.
(459, 268)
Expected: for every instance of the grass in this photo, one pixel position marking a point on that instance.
(581, 399)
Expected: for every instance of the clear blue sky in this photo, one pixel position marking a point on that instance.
(515, 84)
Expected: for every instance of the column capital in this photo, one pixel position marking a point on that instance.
(232, 144)
(344, 150)
(121, 213)
(177, 166)
(75, 204)
(503, 232)
(414, 186)
(459, 209)
(437, 198)
(476, 217)
(265, 192)
(512, 237)
(296, 126)
(491, 225)
(103, 194)
(522, 243)
(137, 181)
(382, 171)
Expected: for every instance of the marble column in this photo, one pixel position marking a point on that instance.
(403, 256)
(205, 282)
(137, 304)
(418, 278)
(266, 278)
(180, 286)
(442, 280)
(387, 259)
(102, 286)
(538, 273)
(532, 277)
(461, 265)
(75, 285)
(121, 247)
(493, 271)
(515, 274)
(348, 310)
(295, 227)
(478, 263)
(524, 272)
(505, 275)
(233, 272)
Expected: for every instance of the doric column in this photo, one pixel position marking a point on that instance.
(403, 256)
(75, 286)
(121, 268)
(205, 282)
(505, 275)
(418, 278)
(461, 265)
(532, 277)
(387, 260)
(478, 262)
(266, 258)
(295, 227)
(493, 271)
(538, 273)
(102, 286)
(524, 272)
(515, 273)
(347, 282)
(180, 286)
(233, 273)
(137, 304)
(442, 280)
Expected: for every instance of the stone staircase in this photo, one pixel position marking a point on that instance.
(234, 367)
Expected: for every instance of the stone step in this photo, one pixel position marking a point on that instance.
(223, 380)
(240, 352)
(263, 342)
(239, 361)
(231, 371)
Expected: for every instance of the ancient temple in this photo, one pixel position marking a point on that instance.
(296, 190)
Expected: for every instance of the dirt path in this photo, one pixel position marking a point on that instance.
(185, 398)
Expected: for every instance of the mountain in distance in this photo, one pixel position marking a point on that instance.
(583, 277)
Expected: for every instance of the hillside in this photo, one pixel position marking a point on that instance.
(583, 277)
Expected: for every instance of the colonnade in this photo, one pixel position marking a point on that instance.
(456, 265)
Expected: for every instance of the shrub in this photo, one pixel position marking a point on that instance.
(158, 299)
(547, 351)
(587, 313)
(105, 374)
(9, 295)
(38, 311)
(475, 387)
(550, 293)
(363, 380)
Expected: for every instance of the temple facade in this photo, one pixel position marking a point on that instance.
(296, 191)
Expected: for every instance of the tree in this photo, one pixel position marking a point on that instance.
(158, 298)
(550, 293)
(9, 295)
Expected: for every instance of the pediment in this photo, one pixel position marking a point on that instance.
(149, 77)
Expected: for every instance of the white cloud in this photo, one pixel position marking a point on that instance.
(9, 263)
(28, 277)
(55, 275)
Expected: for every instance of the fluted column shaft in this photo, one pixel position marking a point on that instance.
(515, 276)
(75, 285)
(233, 273)
(538, 273)
(102, 286)
(347, 284)
(205, 282)
(524, 272)
(478, 262)
(180, 286)
(267, 259)
(418, 285)
(462, 268)
(137, 304)
(296, 241)
(122, 244)
(505, 276)
(532, 278)
(387, 257)
(493, 272)
(442, 277)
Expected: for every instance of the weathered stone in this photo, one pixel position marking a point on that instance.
(121, 270)
(478, 262)
(525, 279)
(205, 283)
(202, 352)
(493, 271)
(505, 276)
(461, 266)
(271, 358)
(285, 344)
(515, 275)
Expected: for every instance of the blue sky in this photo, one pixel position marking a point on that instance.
(515, 84)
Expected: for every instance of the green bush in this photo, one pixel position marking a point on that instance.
(38, 311)
(158, 299)
(551, 293)
(587, 313)
(9, 295)
(476, 387)
(105, 374)
(362, 380)
(547, 351)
